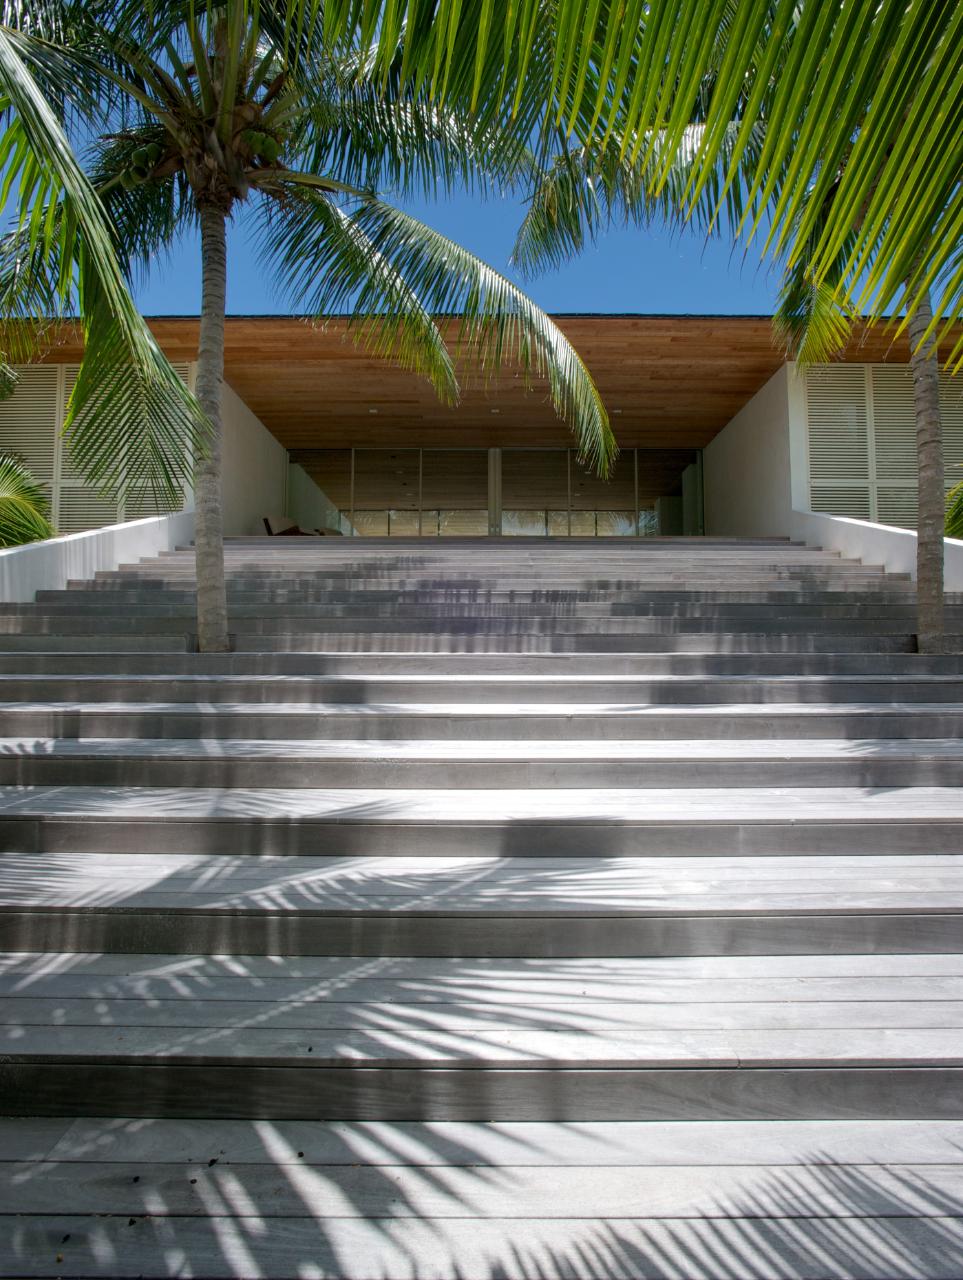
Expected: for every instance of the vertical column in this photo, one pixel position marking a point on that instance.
(421, 489)
(568, 481)
(635, 483)
(351, 497)
(56, 480)
(494, 492)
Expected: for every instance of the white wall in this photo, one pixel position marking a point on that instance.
(308, 505)
(747, 468)
(47, 566)
(255, 470)
(878, 544)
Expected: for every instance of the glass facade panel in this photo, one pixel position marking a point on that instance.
(455, 484)
(463, 524)
(582, 524)
(445, 492)
(527, 524)
(534, 481)
(615, 524)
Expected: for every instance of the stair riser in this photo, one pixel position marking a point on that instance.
(445, 726)
(364, 667)
(358, 1093)
(161, 771)
(464, 643)
(359, 837)
(545, 936)
(372, 692)
(768, 622)
(177, 597)
(529, 642)
(104, 643)
(726, 616)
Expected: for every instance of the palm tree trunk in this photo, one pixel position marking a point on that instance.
(932, 498)
(212, 634)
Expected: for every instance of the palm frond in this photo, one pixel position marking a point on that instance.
(498, 323)
(66, 222)
(23, 505)
(327, 265)
(867, 97)
(954, 512)
(408, 145)
(809, 320)
(148, 218)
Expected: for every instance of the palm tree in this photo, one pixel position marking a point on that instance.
(23, 505)
(242, 109)
(61, 256)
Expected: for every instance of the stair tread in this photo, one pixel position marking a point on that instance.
(506, 1042)
(492, 806)
(487, 707)
(459, 1144)
(479, 885)
(906, 1246)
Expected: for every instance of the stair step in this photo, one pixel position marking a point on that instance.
(567, 1060)
(538, 721)
(364, 666)
(572, 763)
(483, 822)
(523, 689)
(480, 906)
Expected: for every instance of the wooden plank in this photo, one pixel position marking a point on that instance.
(455, 1144)
(359, 1190)
(551, 973)
(480, 1043)
(259, 1248)
(309, 1011)
(235, 1090)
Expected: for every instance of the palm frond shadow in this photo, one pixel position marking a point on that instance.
(354, 1199)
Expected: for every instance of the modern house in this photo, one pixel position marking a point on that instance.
(719, 434)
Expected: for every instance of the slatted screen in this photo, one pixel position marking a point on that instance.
(862, 440)
(31, 421)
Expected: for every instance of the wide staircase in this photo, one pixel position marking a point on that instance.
(493, 911)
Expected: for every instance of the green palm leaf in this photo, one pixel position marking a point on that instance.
(497, 323)
(64, 249)
(23, 505)
(954, 512)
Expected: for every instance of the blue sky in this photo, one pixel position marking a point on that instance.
(629, 269)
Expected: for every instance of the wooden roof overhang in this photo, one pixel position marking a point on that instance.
(669, 382)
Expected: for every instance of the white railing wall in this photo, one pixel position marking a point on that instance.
(883, 544)
(48, 566)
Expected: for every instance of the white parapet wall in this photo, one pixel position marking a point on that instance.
(255, 469)
(883, 544)
(748, 467)
(49, 565)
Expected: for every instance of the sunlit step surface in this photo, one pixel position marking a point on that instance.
(340, 1045)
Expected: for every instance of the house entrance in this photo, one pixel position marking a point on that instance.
(451, 493)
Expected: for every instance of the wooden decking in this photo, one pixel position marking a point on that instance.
(492, 913)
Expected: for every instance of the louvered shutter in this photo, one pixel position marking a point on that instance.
(894, 438)
(29, 421)
(838, 440)
(862, 440)
(951, 411)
